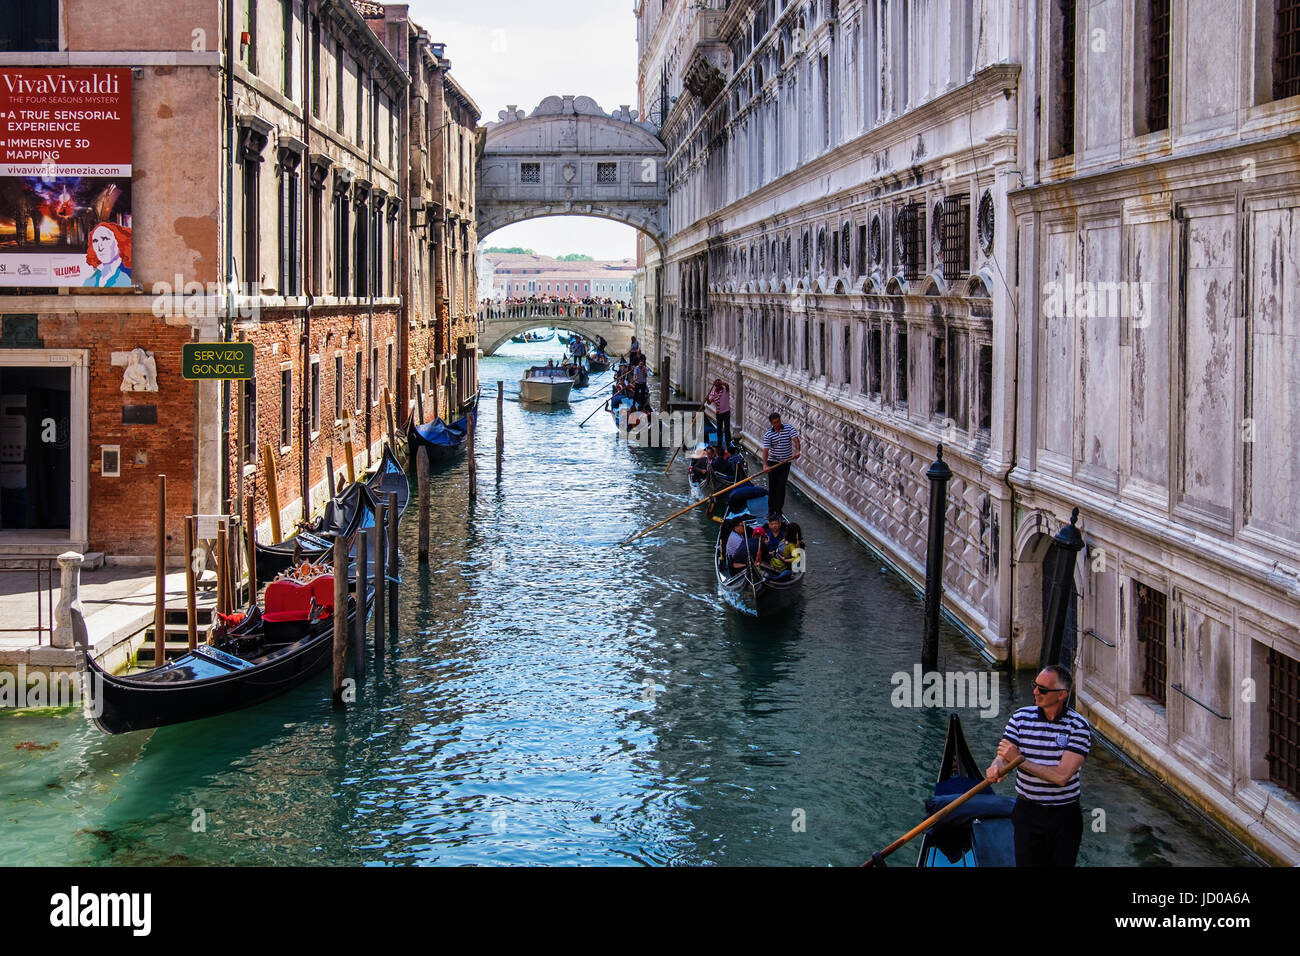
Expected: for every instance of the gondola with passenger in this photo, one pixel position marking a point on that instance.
(750, 579)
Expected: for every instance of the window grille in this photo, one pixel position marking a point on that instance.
(606, 173)
(1284, 721)
(910, 228)
(1158, 66)
(1152, 635)
(530, 172)
(1286, 49)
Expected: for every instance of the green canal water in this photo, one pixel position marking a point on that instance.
(554, 699)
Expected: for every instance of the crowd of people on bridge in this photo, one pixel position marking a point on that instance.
(554, 300)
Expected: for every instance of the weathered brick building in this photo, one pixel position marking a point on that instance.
(301, 177)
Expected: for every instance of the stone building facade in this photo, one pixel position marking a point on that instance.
(304, 179)
(1059, 239)
(1159, 385)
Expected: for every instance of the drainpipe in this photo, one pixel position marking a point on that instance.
(370, 258)
(228, 325)
(304, 266)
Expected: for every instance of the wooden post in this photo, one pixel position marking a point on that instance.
(392, 565)
(501, 427)
(348, 429)
(388, 412)
(473, 461)
(363, 584)
(191, 608)
(250, 541)
(422, 478)
(222, 559)
(340, 616)
(381, 592)
(664, 368)
(419, 403)
(160, 576)
(433, 392)
(272, 492)
(329, 475)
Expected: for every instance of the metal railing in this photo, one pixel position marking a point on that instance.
(43, 595)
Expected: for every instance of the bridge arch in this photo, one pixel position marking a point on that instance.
(499, 323)
(570, 158)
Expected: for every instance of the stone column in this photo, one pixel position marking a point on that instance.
(69, 598)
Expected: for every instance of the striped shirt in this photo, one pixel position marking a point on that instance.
(780, 444)
(1046, 741)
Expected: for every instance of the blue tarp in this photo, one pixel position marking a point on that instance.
(440, 433)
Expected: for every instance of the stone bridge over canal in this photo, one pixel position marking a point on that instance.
(497, 322)
(571, 158)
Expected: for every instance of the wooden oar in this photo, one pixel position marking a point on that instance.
(878, 859)
(689, 430)
(593, 414)
(678, 514)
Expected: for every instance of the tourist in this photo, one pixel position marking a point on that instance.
(720, 399)
(1054, 740)
(780, 448)
(741, 546)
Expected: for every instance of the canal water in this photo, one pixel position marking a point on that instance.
(555, 699)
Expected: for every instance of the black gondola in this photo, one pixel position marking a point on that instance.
(598, 362)
(979, 832)
(577, 373)
(444, 442)
(351, 510)
(756, 589)
(263, 656)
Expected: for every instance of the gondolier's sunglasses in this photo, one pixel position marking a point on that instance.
(1040, 689)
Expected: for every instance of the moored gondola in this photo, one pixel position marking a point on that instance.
(443, 441)
(352, 509)
(977, 833)
(757, 589)
(264, 655)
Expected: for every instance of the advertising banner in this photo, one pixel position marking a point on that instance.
(65, 177)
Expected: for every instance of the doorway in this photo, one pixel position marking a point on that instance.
(35, 448)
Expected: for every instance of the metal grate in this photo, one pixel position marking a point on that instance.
(910, 227)
(1284, 721)
(1067, 77)
(606, 173)
(1152, 634)
(1158, 66)
(1286, 49)
(530, 172)
(956, 237)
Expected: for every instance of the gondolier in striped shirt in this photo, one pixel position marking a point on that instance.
(1055, 740)
(780, 447)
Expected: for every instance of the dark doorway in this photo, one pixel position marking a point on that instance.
(35, 448)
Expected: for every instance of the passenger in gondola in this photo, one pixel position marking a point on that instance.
(742, 546)
(736, 463)
(701, 465)
(772, 536)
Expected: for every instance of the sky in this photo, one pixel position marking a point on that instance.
(521, 51)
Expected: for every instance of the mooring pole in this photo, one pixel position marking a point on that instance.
(665, 367)
(160, 577)
(501, 427)
(329, 475)
(473, 460)
(422, 479)
(340, 617)
(381, 592)
(250, 549)
(392, 566)
(939, 475)
(1067, 543)
(363, 585)
(191, 608)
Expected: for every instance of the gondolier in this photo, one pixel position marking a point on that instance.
(1055, 740)
(720, 399)
(780, 448)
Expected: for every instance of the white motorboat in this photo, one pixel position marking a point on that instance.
(545, 385)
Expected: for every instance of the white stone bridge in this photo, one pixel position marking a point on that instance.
(498, 322)
(571, 158)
